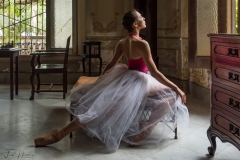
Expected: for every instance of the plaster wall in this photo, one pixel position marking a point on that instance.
(103, 22)
(172, 38)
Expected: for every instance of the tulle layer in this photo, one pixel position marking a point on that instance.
(124, 103)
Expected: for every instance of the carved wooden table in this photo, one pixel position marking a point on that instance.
(12, 54)
(225, 90)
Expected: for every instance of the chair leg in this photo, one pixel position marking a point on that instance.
(64, 85)
(83, 65)
(38, 84)
(66, 80)
(100, 67)
(89, 67)
(175, 131)
(33, 87)
(71, 118)
(64, 94)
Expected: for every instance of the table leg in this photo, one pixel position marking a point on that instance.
(32, 77)
(32, 84)
(90, 53)
(16, 76)
(11, 76)
(89, 69)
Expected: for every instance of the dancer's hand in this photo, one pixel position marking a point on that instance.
(182, 95)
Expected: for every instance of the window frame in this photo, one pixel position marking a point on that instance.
(21, 26)
(225, 11)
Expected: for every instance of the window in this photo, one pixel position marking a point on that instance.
(60, 23)
(235, 16)
(23, 24)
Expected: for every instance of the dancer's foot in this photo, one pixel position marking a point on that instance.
(144, 134)
(50, 138)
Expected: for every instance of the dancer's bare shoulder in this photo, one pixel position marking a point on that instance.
(141, 44)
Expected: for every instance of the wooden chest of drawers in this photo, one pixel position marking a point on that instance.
(225, 90)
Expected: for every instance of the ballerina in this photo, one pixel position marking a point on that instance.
(112, 107)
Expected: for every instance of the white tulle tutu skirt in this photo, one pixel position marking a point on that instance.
(124, 103)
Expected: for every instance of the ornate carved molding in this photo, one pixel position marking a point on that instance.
(98, 27)
(175, 24)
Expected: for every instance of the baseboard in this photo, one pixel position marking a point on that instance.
(199, 92)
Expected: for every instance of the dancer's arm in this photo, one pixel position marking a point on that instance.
(117, 56)
(144, 50)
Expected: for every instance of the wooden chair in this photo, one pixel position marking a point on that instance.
(144, 117)
(49, 68)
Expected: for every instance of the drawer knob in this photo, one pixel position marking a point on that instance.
(233, 103)
(234, 130)
(233, 76)
(233, 52)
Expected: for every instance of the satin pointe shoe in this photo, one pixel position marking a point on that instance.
(48, 139)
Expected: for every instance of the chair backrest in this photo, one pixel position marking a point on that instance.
(89, 44)
(67, 52)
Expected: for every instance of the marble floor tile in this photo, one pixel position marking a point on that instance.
(23, 120)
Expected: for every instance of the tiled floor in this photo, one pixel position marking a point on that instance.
(21, 120)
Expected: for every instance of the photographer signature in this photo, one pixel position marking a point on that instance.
(12, 153)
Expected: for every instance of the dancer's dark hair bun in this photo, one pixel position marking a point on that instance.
(128, 19)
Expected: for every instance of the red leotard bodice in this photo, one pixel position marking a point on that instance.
(137, 64)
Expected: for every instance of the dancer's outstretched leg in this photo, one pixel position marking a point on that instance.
(57, 135)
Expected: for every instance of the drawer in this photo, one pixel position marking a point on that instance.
(226, 74)
(226, 99)
(227, 125)
(225, 51)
